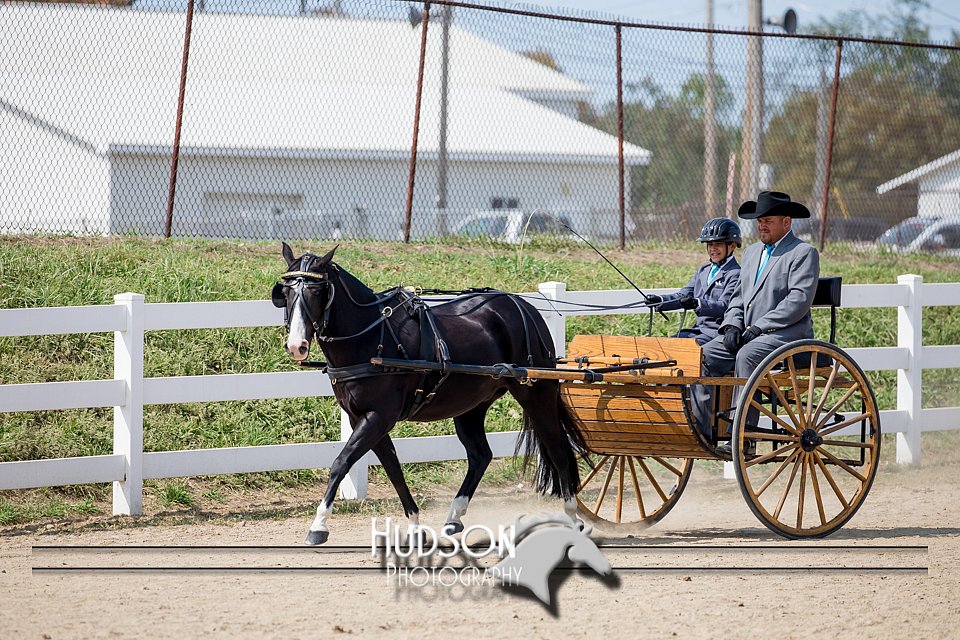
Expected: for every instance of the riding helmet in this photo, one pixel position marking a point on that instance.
(721, 230)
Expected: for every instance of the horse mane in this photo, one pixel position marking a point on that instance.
(355, 284)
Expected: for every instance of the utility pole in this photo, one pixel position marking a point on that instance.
(820, 163)
(709, 127)
(445, 16)
(753, 114)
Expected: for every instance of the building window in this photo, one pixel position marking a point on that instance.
(504, 203)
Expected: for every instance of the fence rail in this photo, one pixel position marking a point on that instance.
(129, 317)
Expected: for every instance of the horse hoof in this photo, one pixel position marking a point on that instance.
(316, 537)
(452, 528)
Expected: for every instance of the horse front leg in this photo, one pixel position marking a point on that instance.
(387, 455)
(368, 431)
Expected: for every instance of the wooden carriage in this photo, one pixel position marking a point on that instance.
(817, 440)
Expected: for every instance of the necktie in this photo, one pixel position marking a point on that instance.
(764, 259)
(714, 270)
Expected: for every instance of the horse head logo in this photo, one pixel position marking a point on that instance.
(540, 548)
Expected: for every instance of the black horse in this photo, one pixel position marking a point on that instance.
(352, 324)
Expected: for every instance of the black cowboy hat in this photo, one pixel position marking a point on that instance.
(772, 203)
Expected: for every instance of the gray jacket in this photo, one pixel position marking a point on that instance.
(714, 297)
(780, 301)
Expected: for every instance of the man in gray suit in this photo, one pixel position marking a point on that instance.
(772, 305)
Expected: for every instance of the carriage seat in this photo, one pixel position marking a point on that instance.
(826, 295)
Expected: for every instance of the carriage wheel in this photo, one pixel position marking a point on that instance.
(625, 493)
(818, 448)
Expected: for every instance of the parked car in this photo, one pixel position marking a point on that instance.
(931, 234)
(507, 225)
(852, 228)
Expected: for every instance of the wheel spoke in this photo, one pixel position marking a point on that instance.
(669, 466)
(766, 435)
(606, 483)
(845, 423)
(777, 472)
(783, 402)
(786, 491)
(774, 417)
(773, 454)
(848, 443)
(843, 465)
(594, 471)
(826, 390)
(653, 481)
(811, 384)
(636, 489)
(796, 389)
(816, 489)
(833, 484)
(803, 487)
(620, 491)
(846, 396)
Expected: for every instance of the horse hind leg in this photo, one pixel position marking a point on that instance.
(470, 431)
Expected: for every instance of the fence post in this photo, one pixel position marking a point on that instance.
(909, 381)
(556, 322)
(128, 419)
(354, 485)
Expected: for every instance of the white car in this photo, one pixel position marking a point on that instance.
(930, 234)
(507, 225)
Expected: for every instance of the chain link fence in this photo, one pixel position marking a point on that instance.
(300, 121)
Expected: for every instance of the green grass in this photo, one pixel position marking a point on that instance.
(49, 272)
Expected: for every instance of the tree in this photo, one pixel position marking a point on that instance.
(671, 128)
(897, 109)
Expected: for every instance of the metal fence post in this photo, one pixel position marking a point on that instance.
(556, 322)
(128, 419)
(909, 381)
(354, 485)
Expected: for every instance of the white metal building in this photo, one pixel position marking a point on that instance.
(292, 126)
(938, 186)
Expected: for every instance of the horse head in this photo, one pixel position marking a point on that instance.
(306, 292)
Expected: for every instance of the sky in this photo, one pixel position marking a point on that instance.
(941, 15)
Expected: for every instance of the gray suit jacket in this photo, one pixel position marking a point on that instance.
(779, 302)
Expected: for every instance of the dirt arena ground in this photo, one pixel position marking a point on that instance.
(910, 588)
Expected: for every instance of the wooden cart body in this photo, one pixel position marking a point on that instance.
(642, 441)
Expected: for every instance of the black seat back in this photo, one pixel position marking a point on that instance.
(828, 295)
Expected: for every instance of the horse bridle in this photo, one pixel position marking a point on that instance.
(298, 281)
(304, 279)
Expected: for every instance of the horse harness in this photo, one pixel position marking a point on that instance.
(433, 347)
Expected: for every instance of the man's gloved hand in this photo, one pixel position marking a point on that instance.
(748, 335)
(731, 338)
(688, 302)
(651, 299)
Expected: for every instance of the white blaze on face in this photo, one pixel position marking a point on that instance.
(297, 345)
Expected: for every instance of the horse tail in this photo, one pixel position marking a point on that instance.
(558, 463)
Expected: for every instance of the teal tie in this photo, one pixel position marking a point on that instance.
(714, 270)
(763, 261)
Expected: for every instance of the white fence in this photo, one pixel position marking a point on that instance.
(129, 317)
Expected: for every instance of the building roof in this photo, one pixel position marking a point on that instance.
(919, 172)
(107, 79)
